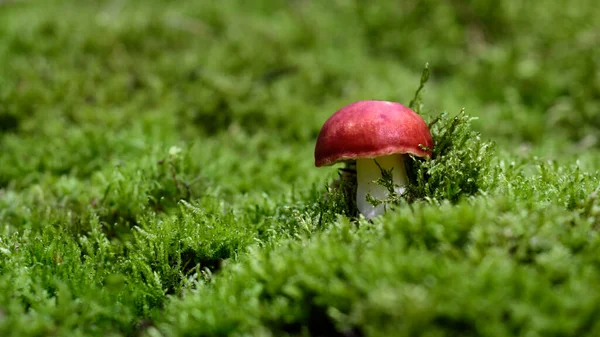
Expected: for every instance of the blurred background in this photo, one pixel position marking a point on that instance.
(528, 69)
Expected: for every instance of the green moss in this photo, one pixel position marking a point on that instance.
(157, 175)
(461, 161)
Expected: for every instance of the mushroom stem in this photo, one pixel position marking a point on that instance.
(367, 172)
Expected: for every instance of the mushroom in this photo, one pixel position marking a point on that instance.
(375, 134)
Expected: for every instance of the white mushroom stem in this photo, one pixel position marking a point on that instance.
(367, 172)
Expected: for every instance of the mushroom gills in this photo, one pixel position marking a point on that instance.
(367, 172)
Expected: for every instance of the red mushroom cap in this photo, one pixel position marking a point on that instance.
(369, 129)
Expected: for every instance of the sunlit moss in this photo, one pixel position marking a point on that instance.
(157, 175)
